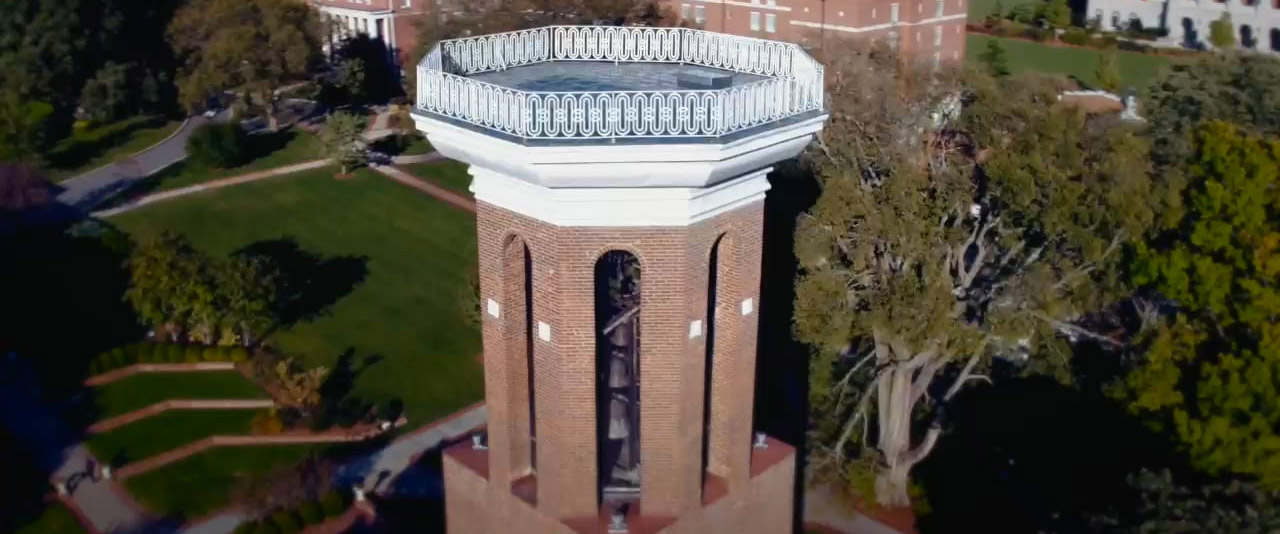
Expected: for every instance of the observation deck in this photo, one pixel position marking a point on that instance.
(561, 85)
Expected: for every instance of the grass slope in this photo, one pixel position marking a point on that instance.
(55, 519)
(168, 430)
(94, 147)
(142, 390)
(268, 151)
(403, 323)
(196, 486)
(1136, 69)
(450, 175)
(979, 9)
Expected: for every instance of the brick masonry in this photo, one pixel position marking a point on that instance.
(676, 269)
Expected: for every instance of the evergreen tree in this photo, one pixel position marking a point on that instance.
(1107, 73)
(995, 59)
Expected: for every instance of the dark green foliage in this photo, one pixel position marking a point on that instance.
(1167, 506)
(218, 145)
(310, 513)
(267, 526)
(1075, 36)
(247, 528)
(333, 504)
(995, 59)
(192, 354)
(173, 353)
(286, 522)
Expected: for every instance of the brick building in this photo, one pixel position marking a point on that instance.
(394, 22)
(930, 30)
(620, 220)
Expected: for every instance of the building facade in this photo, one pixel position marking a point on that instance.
(393, 22)
(1255, 23)
(620, 177)
(928, 30)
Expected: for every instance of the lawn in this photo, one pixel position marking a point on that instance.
(394, 263)
(167, 430)
(1136, 69)
(142, 390)
(94, 147)
(196, 486)
(55, 519)
(450, 175)
(267, 150)
(980, 9)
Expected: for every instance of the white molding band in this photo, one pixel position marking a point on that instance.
(617, 206)
(877, 27)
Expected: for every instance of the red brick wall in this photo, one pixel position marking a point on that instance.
(674, 266)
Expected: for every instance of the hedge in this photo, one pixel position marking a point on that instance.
(333, 504)
(163, 353)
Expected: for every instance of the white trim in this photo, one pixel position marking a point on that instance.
(335, 10)
(744, 4)
(748, 306)
(544, 331)
(494, 309)
(886, 26)
(695, 328)
(617, 207)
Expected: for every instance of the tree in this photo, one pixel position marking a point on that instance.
(301, 386)
(349, 76)
(1056, 13)
(107, 96)
(252, 46)
(1107, 73)
(1024, 13)
(1211, 375)
(995, 59)
(1165, 505)
(246, 291)
(936, 246)
(23, 125)
(997, 12)
(1222, 33)
(218, 145)
(170, 284)
(343, 140)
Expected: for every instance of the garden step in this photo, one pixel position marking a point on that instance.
(125, 372)
(185, 404)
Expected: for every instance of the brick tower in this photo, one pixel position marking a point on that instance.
(620, 177)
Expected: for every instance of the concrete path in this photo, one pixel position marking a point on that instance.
(822, 507)
(430, 157)
(58, 451)
(91, 188)
(212, 185)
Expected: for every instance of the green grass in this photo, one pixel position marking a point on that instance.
(450, 175)
(201, 484)
(979, 9)
(407, 311)
(167, 430)
(55, 519)
(94, 147)
(272, 150)
(1136, 70)
(419, 145)
(142, 390)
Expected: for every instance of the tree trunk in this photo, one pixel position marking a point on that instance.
(895, 407)
(892, 483)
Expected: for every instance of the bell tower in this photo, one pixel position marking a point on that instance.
(620, 177)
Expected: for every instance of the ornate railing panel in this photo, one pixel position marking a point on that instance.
(793, 87)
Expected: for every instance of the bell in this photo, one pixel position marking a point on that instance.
(619, 376)
(618, 426)
(621, 336)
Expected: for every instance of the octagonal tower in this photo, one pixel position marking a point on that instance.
(620, 176)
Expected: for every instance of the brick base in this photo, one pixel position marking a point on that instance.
(764, 505)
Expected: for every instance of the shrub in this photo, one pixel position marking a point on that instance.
(237, 354)
(1075, 36)
(267, 423)
(217, 145)
(173, 353)
(95, 365)
(247, 528)
(211, 354)
(266, 527)
(310, 513)
(192, 353)
(332, 504)
(117, 358)
(286, 521)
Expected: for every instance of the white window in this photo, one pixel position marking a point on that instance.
(938, 12)
(700, 14)
(919, 8)
(685, 11)
(937, 60)
(893, 40)
(937, 36)
(408, 4)
(770, 23)
(893, 13)
(755, 21)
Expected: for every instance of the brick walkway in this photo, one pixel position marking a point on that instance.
(164, 406)
(441, 193)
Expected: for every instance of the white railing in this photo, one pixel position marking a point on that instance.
(793, 85)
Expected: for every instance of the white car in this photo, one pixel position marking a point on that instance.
(210, 114)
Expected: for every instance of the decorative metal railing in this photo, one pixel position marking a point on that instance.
(793, 83)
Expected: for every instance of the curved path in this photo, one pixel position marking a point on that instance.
(87, 190)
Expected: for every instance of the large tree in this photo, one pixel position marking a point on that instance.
(941, 240)
(250, 46)
(1211, 374)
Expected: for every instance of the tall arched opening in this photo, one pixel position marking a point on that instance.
(517, 309)
(618, 318)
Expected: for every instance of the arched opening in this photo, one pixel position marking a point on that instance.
(517, 311)
(1275, 39)
(1190, 38)
(618, 299)
(716, 270)
(1115, 20)
(1135, 23)
(1247, 39)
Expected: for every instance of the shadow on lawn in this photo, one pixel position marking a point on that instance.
(338, 406)
(308, 284)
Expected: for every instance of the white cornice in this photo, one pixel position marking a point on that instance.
(743, 4)
(876, 27)
(614, 207)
